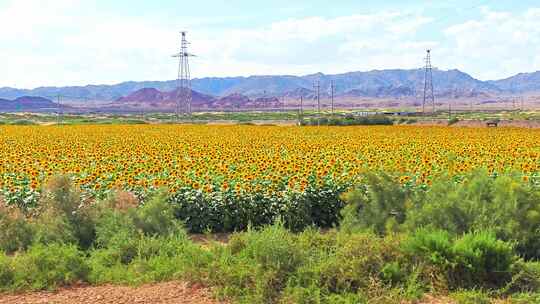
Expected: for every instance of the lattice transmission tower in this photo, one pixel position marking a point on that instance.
(429, 96)
(183, 82)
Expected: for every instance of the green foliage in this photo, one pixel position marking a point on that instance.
(153, 259)
(453, 121)
(157, 217)
(434, 247)
(47, 267)
(23, 122)
(228, 211)
(525, 278)
(504, 205)
(15, 231)
(61, 199)
(256, 264)
(348, 120)
(395, 242)
(7, 273)
(470, 297)
(473, 260)
(52, 226)
(482, 260)
(524, 298)
(378, 205)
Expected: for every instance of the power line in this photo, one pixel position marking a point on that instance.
(317, 87)
(332, 88)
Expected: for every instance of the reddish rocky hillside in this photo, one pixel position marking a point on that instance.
(153, 99)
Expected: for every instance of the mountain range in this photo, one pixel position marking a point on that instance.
(373, 84)
(28, 103)
(153, 99)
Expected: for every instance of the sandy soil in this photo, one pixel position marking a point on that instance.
(162, 293)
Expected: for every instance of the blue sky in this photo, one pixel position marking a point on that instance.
(77, 42)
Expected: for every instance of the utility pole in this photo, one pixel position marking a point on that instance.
(449, 109)
(183, 82)
(302, 105)
(317, 87)
(332, 88)
(429, 96)
(59, 105)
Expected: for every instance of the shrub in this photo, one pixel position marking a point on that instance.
(15, 232)
(256, 265)
(117, 234)
(52, 226)
(61, 198)
(504, 205)
(157, 217)
(356, 261)
(453, 121)
(435, 247)
(48, 267)
(482, 260)
(154, 259)
(23, 122)
(525, 278)
(379, 205)
(6, 272)
(473, 260)
(349, 120)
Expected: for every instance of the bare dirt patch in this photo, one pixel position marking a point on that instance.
(162, 293)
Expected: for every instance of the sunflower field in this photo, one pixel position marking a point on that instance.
(246, 158)
(282, 164)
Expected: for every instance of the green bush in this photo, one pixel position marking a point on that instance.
(256, 264)
(52, 226)
(525, 278)
(453, 121)
(15, 231)
(7, 273)
(482, 260)
(23, 122)
(348, 120)
(378, 205)
(157, 217)
(48, 267)
(61, 199)
(434, 247)
(504, 205)
(153, 260)
(118, 236)
(473, 260)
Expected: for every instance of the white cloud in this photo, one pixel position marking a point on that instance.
(497, 45)
(63, 42)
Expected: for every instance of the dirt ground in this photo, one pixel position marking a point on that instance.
(162, 293)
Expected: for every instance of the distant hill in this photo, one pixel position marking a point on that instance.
(153, 99)
(373, 84)
(28, 103)
(520, 83)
